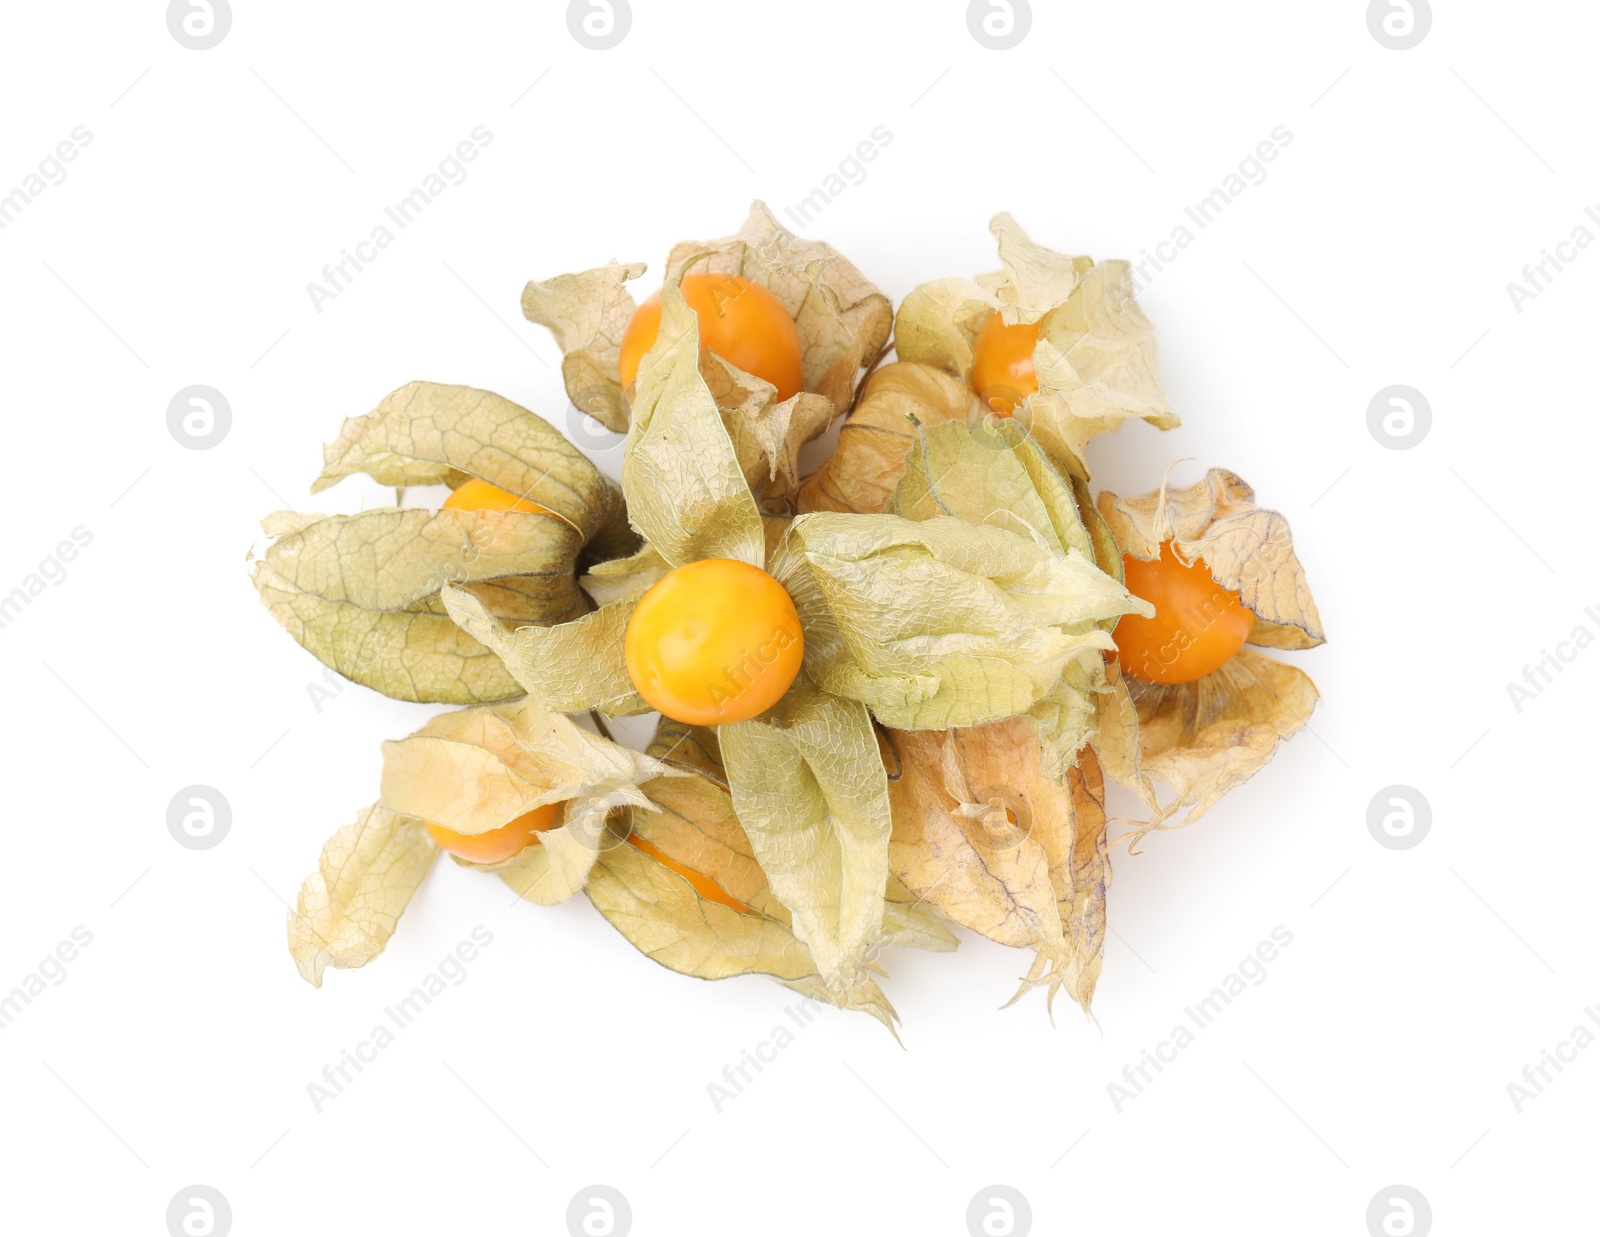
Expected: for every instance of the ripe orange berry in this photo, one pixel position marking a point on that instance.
(714, 641)
(1002, 363)
(476, 495)
(1198, 624)
(499, 844)
(740, 321)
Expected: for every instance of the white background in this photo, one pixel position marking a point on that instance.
(1419, 984)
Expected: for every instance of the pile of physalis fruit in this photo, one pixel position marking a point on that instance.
(889, 690)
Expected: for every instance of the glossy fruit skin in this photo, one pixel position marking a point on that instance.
(500, 844)
(1198, 624)
(1002, 363)
(476, 495)
(714, 641)
(740, 321)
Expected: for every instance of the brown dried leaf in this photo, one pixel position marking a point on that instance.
(588, 313)
(983, 835)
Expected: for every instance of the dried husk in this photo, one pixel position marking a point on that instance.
(870, 457)
(843, 320)
(469, 771)
(940, 622)
(766, 433)
(993, 472)
(479, 769)
(662, 913)
(810, 792)
(1204, 738)
(985, 836)
(688, 496)
(569, 667)
(429, 433)
(1247, 547)
(1096, 356)
(588, 312)
(361, 591)
(348, 907)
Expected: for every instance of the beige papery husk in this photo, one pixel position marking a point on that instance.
(1204, 738)
(843, 322)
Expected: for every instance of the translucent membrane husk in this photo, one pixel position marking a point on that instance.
(940, 758)
(361, 591)
(1095, 359)
(467, 771)
(1204, 738)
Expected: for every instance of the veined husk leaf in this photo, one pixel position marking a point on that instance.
(809, 790)
(941, 622)
(993, 472)
(361, 592)
(628, 579)
(843, 320)
(348, 907)
(650, 887)
(687, 492)
(870, 456)
(430, 433)
(624, 579)
(479, 769)
(588, 312)
(569, 667)
(983, 834)
(1247, 548)
(1096, 356)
